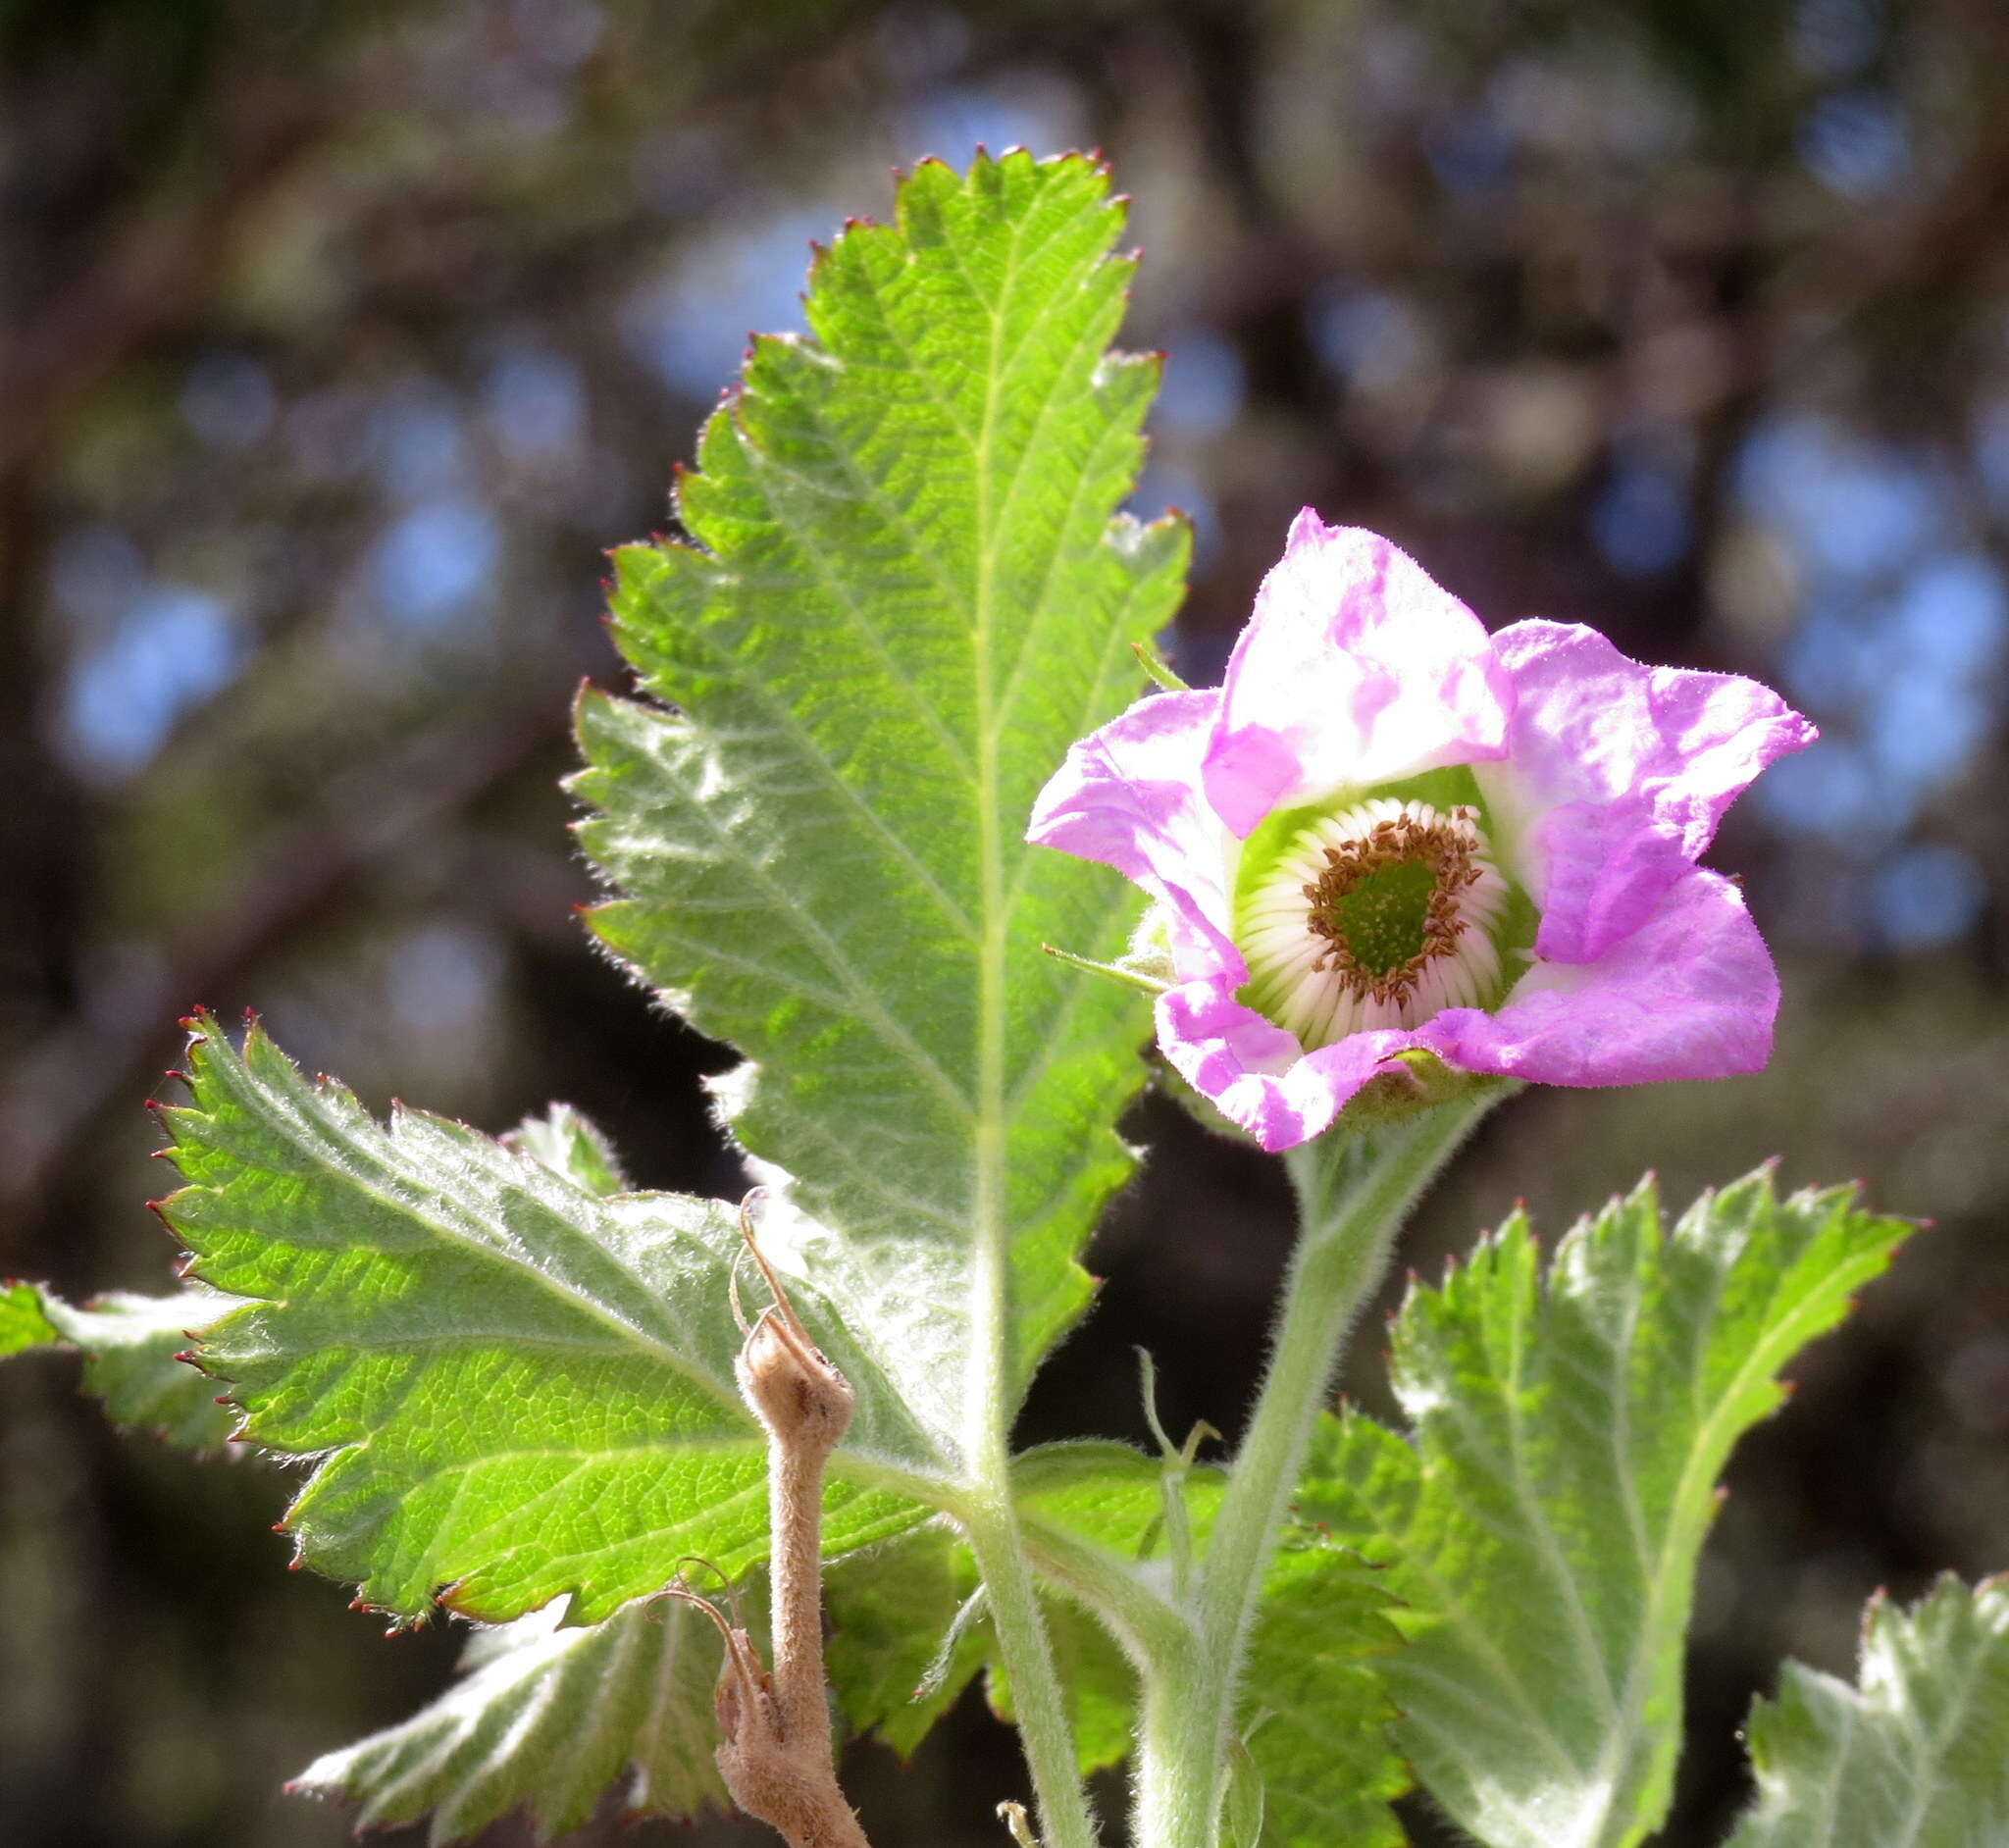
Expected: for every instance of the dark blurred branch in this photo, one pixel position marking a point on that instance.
(155, 270)
(64, 1082)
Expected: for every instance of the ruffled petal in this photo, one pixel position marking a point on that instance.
(1128, 795)
(1355, 668)
(1692, 994)
(1255, 1073)
(1615, 777)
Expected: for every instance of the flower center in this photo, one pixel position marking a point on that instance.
(1388, 904)
(1378, 916)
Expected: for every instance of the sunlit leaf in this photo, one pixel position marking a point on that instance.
(907, 594)
(514, 1388)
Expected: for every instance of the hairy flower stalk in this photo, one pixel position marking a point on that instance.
(1389, 835)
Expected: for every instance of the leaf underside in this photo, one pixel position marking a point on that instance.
(1542, 1532)
(544, 1716)
(1915, 1756)
(131, 1347)
(907, 595)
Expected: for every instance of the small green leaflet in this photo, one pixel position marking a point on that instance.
(1542, 1533)
(131, 1346)
(906, 1640)
(1915, 1755)
(914, 595)
(22, 1321)
(1315, 1711)
(547, 1717)
(566, 1143)
(514, 1388)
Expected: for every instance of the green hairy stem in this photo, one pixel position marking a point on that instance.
(1354, 1192)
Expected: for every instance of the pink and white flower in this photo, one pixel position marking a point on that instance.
(1388, 832)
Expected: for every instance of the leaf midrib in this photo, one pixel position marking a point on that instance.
(984, 1438)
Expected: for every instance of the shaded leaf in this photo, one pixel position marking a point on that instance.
(547, 1717)
(1542, 1532)
(1915, 1756)
(1315, 1711)
(906, 1641)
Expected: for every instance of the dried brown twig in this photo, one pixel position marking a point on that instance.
(775, 1751)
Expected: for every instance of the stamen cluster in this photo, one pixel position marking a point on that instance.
(1445, 843)
(1337, 941)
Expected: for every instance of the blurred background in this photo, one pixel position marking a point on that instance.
(341, 340)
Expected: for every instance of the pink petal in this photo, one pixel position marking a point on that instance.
(1692, 994)
(1355, 669)
(1255, 1073)
(1128, 795)
(1617, 776)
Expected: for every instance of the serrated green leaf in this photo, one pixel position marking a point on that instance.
(515, 1388)
(546, 1717)
(1542, 1533)
(1915, 1756)
(131, 1347)
(1314, 1713)
(546, 1714)
(911, 598)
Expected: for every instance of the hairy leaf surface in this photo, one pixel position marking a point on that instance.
(1915, 1756)
(131, 1346)
(905, 597)
(516, 1387)
(1542, 1532)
